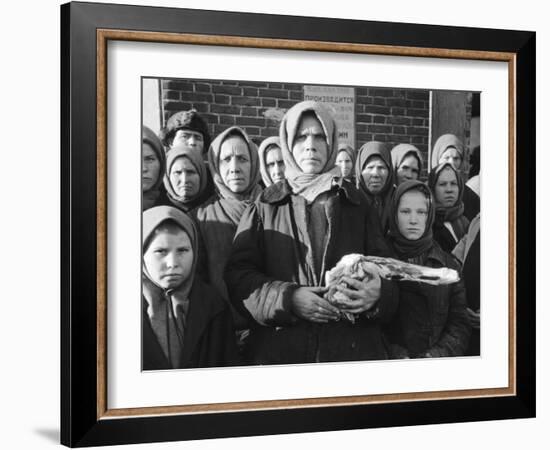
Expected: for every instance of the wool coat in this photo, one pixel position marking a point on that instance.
(431, 321)
(209, 339)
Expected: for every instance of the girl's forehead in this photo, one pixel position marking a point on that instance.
(447, 174)
(413, 197)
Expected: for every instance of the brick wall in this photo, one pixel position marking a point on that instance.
(384, 114)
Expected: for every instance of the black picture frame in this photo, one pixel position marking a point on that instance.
(81, 422)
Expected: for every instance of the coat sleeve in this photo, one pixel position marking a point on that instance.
(386, 306)
(455, 336)
(251, 291)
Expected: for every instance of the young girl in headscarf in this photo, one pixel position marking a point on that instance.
(152, 170)
(431, 321)
(374, 174)
(272, 165)
(450, 223)
(185, 179)
(185, 323)
(407, 163)
(234, 164)
(449, 149)
(345, 160)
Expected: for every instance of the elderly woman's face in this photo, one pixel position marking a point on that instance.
(451, 156)
(184, 178)
(169, 258)
(310, 147)
(344, 162)
(275, 164)
(235, 164)
(375, 174)
(446, 188)
(408, 170)
(150, 168)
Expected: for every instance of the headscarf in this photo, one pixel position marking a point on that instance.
(195, 157)
(253, 189)
(400, 152)
(267, 144)
(453, 214)
(162, 303)
(442, 144)
(381, 201)
(343, 147)
(404, 247)
(149, 137)
(309, 185)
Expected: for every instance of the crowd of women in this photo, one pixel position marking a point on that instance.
(237, 239)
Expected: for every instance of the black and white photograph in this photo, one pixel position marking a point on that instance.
(294, 223)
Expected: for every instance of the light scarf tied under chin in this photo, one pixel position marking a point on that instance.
(309, 185)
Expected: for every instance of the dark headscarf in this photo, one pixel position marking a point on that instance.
(406, 248)
(182, 151)
(343, 147)
(453, 214)
(305, 184)
(149, 137)
(161, 303)
(442, 144)
(400, 152)
(267, 144)
(381, 201)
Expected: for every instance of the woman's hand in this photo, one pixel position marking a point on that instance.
(473, 316)
(361, 295)
(308, 304)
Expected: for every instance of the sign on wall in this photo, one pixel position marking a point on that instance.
(341, 101)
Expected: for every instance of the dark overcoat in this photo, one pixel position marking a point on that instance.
(431, 321)
(209, 338)
(272, 257)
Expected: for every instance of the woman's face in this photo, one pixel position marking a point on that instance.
(275, 164)
(412, 215)
(345, 163)
(375, 174)
(235, 164)
(184, 178)
(310, 147)
(150, 167)
(169, 258)
(446, 188)
(451, 156)
(408, 170)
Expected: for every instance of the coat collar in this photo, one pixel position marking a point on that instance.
(281, 191)
(437, 254)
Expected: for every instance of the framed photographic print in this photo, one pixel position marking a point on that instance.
(257, 263)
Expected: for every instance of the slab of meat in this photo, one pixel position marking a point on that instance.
(364, 268)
